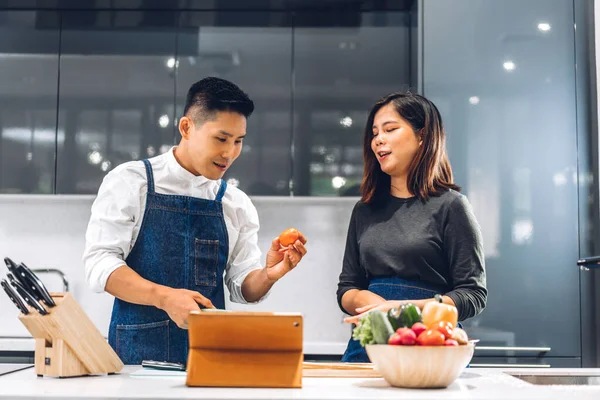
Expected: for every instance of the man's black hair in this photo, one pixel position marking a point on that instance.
(210, 95)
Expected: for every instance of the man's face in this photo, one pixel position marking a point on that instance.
(212, 146)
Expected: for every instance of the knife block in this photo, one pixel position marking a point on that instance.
(67, 343)
(245, 349)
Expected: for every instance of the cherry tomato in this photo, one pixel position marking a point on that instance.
(289, 237)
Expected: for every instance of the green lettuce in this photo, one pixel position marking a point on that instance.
(363, 332)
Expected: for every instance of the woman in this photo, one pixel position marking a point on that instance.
(412, 235)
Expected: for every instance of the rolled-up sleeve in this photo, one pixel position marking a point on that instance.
(246, 254)
(463, 245)
(110, 230)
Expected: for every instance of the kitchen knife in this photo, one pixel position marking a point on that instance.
(14, 297)
(34, 285)
(29, 299)
(30, 281)
(11, 278)
(163, 365)
(11, 265)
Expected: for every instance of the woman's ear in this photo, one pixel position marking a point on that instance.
(421, 136)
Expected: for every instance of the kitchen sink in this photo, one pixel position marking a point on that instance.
(547, 379)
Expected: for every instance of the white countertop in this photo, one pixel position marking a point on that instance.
(474, 383)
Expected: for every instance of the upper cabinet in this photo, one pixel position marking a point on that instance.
(116, 93)
(254, 51)
(343, 63)
(29, 47)
(87, 90)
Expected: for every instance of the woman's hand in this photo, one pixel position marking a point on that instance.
(362, 311)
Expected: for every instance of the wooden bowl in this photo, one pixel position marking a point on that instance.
(420, 366)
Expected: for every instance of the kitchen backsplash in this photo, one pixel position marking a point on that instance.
(48, 232)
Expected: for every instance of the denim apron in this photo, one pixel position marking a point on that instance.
(183, 244)
(391, 289)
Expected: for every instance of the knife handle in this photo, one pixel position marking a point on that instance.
(29, 299)
(14, 297)
(35, 286)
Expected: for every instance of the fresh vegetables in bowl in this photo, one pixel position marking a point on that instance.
(408, 326)
(414, 348)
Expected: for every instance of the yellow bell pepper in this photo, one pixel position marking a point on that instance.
(435, 311)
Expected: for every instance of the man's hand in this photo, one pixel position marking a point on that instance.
(281, 260)
(179, 302)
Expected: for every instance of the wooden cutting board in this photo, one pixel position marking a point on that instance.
(338, 370)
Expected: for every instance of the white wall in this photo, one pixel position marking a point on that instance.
(48, 232)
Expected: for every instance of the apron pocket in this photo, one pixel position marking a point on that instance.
(206, 253)
(143, 342)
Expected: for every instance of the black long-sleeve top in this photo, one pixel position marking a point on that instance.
(437, 241)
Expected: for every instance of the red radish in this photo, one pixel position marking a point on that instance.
(408, 337)
(450, 342)
(400, 331)
(395, 340)
(418, 328)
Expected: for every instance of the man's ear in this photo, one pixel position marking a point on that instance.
(185, 127)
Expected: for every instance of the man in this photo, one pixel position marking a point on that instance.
(164, 231)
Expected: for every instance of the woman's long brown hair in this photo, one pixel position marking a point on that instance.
(429, 173)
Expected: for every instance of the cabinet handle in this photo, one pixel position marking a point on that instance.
(585, 264)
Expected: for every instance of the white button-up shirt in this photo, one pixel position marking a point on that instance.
(118, 211)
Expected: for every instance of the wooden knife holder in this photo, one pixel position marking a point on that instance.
(67, 343)
(245, 349)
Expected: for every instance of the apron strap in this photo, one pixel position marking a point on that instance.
(221, 190)
(149, 176)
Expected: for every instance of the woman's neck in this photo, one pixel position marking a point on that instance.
(399, 187)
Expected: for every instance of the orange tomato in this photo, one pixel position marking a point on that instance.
(435, 311)
(431, 338)
(444, 327)
(289, 237)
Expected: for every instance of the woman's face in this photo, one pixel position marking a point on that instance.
(394, 143)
